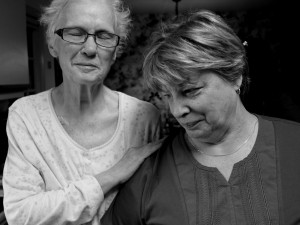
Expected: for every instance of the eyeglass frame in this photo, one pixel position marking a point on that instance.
(60, 32)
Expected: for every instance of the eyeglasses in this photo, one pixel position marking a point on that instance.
(79, 36)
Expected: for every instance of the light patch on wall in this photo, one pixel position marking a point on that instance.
(13, 43)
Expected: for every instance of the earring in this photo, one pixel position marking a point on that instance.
(238, 91)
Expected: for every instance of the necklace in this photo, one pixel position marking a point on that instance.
(218, 155)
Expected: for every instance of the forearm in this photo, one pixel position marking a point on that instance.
(77, 203)
(126, 167)
(107, 181)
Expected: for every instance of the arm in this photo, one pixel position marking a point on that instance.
(28, 200)
(125, 168)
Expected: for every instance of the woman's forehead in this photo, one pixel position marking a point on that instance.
(88, 13)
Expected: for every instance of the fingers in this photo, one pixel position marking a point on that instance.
(153, 146)
(154, 143)
(160, 141)
(128, 164)
(134, 157)
(144, 151)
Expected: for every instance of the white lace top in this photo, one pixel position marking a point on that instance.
(48, 177)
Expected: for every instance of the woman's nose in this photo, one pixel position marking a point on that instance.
(179, 107)
(89, 47)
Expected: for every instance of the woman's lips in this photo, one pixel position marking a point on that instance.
(86, 67)
(192, 125)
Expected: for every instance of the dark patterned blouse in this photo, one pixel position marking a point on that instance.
(172, 188)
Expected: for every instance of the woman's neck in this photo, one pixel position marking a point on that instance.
(81, 96)
(74, 101)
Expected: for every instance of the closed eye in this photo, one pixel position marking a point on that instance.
(74, 32)
(190, 92)
(104, 35)
(165, 95)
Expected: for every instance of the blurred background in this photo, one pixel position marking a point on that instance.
(268, 26)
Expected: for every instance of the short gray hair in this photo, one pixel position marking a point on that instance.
(192, 43)
(51, 13)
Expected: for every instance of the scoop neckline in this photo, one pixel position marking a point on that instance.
(64, 132)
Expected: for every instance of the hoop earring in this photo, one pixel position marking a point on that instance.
(238, 91)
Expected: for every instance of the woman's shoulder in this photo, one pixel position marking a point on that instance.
(135, 101)
(135, 105)
(287, 145)
(281, 123)
(30, 102)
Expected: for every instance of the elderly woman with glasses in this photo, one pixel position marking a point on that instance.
(225, 165)
(71, 146)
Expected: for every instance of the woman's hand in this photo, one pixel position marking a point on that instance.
(126, 167)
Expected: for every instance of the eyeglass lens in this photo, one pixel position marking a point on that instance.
(76, 35)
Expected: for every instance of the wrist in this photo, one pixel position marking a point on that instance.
(107, 181)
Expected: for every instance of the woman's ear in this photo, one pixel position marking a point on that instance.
(239, 81)
(52, 50)
(114, 57)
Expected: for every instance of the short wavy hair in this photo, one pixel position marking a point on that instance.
(191, 43)
(50, 16)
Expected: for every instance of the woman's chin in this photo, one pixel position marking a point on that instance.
(203, 134)
(194, 133)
